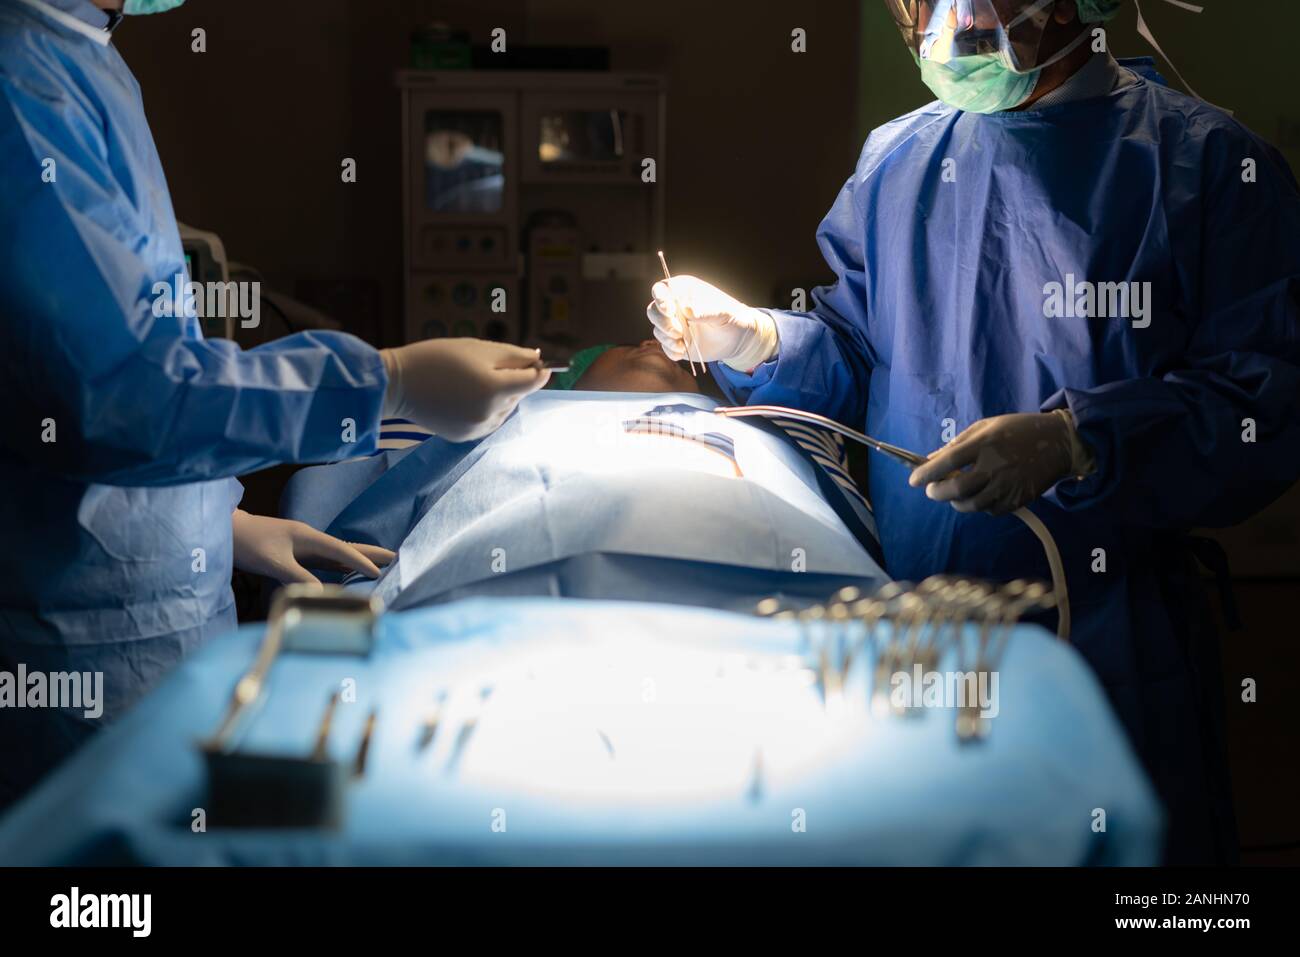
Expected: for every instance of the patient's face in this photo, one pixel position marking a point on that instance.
(639, 368)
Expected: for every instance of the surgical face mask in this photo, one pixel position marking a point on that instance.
(978, 84)
(139, 7)
(984, 82)
(979, 56)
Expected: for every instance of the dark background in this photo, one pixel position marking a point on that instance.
(760, 140)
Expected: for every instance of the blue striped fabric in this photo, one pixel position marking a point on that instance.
(399, 434)
(827, 450)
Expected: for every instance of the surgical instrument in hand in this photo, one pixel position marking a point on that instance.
(687, 339)
(780, 412)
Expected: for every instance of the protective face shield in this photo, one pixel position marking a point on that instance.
(982, 56)
(1012, 30)
(140, 7)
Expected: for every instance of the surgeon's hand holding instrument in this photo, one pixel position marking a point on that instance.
(1003, 463)
(722, 329)
(682, 314)
(916, 462)
(461, 389)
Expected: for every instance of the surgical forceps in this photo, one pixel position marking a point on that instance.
(911, 459)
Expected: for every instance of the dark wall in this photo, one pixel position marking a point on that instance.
(252, 132)
(760, 139)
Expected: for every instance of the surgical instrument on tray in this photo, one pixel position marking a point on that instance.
(363, 749)
(321, 751)
(468, 726)
(925, 622)
(430, 727)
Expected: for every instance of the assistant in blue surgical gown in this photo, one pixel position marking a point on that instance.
(123, 429)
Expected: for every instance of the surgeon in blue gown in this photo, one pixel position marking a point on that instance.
(123, 426)
(977, 248)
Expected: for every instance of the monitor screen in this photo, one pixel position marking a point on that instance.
(464, 161)
(584, 136)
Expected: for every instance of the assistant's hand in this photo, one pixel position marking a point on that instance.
(723, 329)
(1013, 459)
(283, 550)
(461, 389)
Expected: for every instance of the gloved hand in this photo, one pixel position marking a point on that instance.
(461, 389)
(280, 549)
(1013, 459)
(723, 329)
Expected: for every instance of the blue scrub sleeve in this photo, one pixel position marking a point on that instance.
(812, 371)
(1213, 441)
(100, 389)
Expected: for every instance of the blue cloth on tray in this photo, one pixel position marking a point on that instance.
(615, 733)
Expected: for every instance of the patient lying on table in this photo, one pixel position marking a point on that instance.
(620, 484)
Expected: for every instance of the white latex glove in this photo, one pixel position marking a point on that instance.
(722, 329)
(461, 389)
(283, 550)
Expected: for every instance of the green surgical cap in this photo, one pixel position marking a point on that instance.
(1097, 11)
(579, 364)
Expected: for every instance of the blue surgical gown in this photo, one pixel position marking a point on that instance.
(123, 430)
(943, 243)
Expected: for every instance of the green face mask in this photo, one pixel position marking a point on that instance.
(978, 84)
(136, 7)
